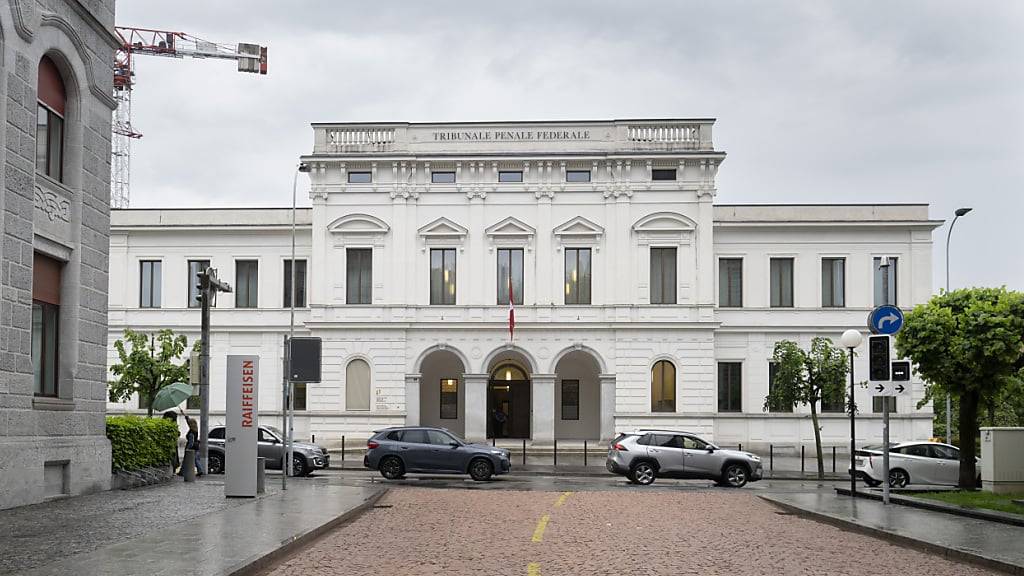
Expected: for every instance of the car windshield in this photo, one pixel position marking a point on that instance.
(877, 447)
(275, 431)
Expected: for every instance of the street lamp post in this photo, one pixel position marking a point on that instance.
(949, 404)
(287, 399)
(850, 340)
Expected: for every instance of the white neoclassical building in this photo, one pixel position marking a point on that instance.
(638, 300)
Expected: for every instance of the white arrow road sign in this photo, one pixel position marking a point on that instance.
(900, 388)
(881, 389)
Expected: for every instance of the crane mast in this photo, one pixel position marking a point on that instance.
(251, 58)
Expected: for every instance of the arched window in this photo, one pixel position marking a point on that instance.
(663, 387)
(357, 385)
(50, 107)
(508, 372)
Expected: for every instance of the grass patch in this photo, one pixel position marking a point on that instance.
(979, 499)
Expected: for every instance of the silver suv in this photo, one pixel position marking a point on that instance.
(644, 455)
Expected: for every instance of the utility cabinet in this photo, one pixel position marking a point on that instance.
(1002, 460)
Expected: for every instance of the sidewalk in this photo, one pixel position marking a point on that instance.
(980, 541)
(172, 528)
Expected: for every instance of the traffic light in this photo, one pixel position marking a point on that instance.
(901, 371)
(878, 358)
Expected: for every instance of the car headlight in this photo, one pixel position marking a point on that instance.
(754, 457)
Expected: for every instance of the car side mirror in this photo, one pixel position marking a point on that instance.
(710, 448)
(453, 444)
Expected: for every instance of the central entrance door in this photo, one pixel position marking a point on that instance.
(508, 403)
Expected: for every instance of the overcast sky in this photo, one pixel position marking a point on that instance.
(817, 102)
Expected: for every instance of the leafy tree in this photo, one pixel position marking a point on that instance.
(807, 377)
(968, 344)
(147, 364)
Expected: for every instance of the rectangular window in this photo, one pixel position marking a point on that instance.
(449, 399)
(835, 403)
(149, 283)
(663, 275)
(359, 274)
(442, 177)
(577, 175)
(577, 275)
(359, 178)
(879, 291)
(510, 176)
(663, 174)
(246, 283)
(730, 387)
(299, 398)
(300, 283)
(46, 283)
(730, 282)
(877, 406)
(570, 399)
(49, 143)
(833, 282)
(442, 276)
(773, 369)
(510, 261)
(782, 282)
(194, 268)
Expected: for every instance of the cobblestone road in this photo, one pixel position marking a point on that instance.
(416, 531)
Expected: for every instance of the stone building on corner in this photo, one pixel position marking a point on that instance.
(55, 99)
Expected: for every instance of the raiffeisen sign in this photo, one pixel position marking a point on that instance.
(240, 436)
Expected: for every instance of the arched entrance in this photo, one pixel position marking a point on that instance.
(577, 396)
(442, 393)
(508, 401)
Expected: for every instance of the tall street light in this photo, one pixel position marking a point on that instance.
(287, 396)
(850, 340)
(949, 404)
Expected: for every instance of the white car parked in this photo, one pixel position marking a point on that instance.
(911, 463)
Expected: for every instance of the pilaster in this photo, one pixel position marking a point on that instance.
(607, 405)
(476, 406)
(543, 400)
(412, 399)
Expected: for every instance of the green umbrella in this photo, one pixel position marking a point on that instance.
(171, 396)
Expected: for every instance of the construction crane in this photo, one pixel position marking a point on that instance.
(251, 58)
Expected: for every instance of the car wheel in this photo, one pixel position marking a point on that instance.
(215, 463)
(480, 470)
(735, 476)
(391, 467)
(643, 473)
(898, 478)
(299, 467)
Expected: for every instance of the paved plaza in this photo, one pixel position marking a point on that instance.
(415, 531)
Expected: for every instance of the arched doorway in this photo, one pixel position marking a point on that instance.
(443, 391)
(577, 396)
(508, 402)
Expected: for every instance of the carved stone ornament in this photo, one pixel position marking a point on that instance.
(54, 206)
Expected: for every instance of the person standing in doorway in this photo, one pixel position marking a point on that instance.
(499, 422)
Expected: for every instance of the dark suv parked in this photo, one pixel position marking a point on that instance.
(396, 451)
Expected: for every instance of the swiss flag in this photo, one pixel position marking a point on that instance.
(511, 310)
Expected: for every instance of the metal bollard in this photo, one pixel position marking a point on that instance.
(524, 451)
(740, 446)
(494, 442)
(188, 466)
(833, 459)
(312, 438)
(801, 458)
(771, 457)
(343, 451)
(584, 452)
(261, 475)
(556, 452)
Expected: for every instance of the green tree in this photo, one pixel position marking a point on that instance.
(968, 344)
(805, 378)
(146, 364)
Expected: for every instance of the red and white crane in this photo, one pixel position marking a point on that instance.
(251, 58)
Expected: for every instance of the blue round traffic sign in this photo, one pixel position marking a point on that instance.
(885, 320)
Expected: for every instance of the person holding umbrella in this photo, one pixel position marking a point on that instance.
(168, 398)
(172, 417)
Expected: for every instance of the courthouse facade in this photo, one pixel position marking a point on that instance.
(638, 300)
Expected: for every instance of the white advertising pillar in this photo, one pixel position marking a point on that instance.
(240, 435)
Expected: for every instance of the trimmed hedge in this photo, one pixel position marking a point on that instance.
(137, 443)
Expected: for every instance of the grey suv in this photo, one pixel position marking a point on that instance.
(646, 454)
(395, 451)
(306, 457)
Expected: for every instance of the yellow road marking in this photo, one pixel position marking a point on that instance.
(561, 499)
(539, 532)
(533, 569)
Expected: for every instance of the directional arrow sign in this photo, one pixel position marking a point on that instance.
(899, 388)
(881, 389)
(885, 320)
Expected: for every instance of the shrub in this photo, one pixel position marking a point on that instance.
(140, 442)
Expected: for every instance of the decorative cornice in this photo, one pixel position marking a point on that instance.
(24, 16)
